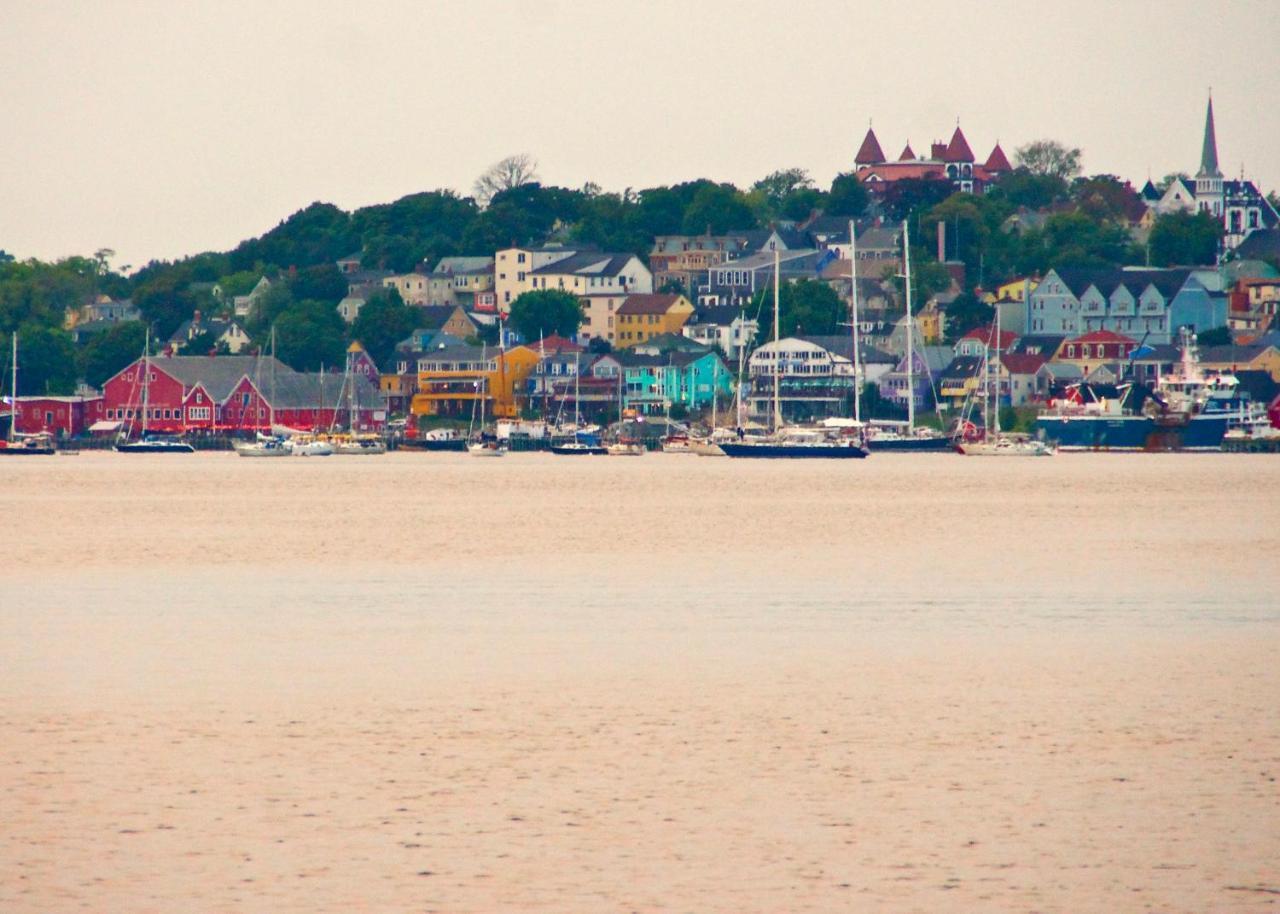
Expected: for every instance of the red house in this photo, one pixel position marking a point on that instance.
(236, 394)
(1097, 346)
(62, 416)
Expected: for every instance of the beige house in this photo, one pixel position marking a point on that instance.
(411, 286)
(599, 316)
(513, 267)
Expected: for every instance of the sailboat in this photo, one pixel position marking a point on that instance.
(147, 442)
(625, 446)
(271, 444)
(479, 444)
(910, 438)
(994, 443)
(710, 445)
(789, 442)
(578, 447)
(22, 445)
(353, 443)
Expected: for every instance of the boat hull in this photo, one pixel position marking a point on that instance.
(26, 451)
(911, 445)
(443, 444)
(1133, 433)
(792, 451)
(155, 447)
(586, 450)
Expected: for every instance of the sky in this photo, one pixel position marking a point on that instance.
(162, 129)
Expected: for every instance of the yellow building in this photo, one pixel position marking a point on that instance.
(1013, 290)
(450, 380)
(929, 322)
(643, 316)
(1254, 357)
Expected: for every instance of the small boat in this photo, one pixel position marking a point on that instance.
(676, 444)
(360, 445)
(578, 449)
(310, 446)
(155, 444)
(625, 447)
(487, 446)
(438, 439)
(265, 446)
(38, 445)
(1006, 446)
(149, 443)
(796, 442)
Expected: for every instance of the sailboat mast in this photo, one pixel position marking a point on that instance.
(13, 390)
(575, 395)
(715, 379)
(996, 368)
(911, 375)
(146, 380)
(853, 320)
(742, 349)
(777, 350)
(271, 407)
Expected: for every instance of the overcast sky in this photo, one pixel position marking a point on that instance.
(162, 129)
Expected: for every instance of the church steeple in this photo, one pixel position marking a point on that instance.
(1209, 153)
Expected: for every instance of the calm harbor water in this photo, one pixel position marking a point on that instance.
(664, 683)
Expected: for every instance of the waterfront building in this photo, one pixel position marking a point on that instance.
(452, 378)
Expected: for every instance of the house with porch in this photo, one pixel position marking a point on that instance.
(642, 316)
(451, 379)
(226, 334)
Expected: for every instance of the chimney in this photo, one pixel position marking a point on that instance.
(942, 241)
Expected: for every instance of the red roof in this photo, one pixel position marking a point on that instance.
(1103, 336)
(908, 154)
(958, 150)
(997, 161)
(987, 336)
(869, 153)
(554, 343)
(1022, 362)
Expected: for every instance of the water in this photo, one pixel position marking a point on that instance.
(668, 683)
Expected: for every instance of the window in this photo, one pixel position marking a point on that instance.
(519, 259)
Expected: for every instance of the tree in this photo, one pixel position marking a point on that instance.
(964, 313)
(309, 334)
(1184, 239)
(507, 174)
(546, 312)
(46, 361)
(1022, 187)
(806, 307)
(107, 352)
(383, 321)
(1049, 157)
(598, 344)
(323, 282)
(718, 208)
(847, 197)
(1107, 197)
(1218, 336)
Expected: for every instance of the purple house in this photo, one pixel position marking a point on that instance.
(927, 366)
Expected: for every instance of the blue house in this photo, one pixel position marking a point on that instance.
(1148, 305)
(690, 379)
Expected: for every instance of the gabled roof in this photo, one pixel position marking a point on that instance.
(1079, 279)
(586, 263)
(987, 336)
(997, 161)
(554, 343)
(1149, 192)
(869, 153)
(452, 266)
(313, 390)
(436, 316)
(719, 315)
(218, 374)
(648, 303)
(1022, 362)
(963, 366)
(958, 149)
(1039, 344)
(908, 154)
(1102, 336)
(1233, 355)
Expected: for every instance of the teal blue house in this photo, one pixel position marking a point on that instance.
(691, 379)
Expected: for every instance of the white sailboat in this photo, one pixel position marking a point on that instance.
(907, 437)
(271, 444)
(478, 444)
(16, 444)
(994, 443)
(148, 443)
(577, 447)
(625, 446)
(789, 442)
(352, 443)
